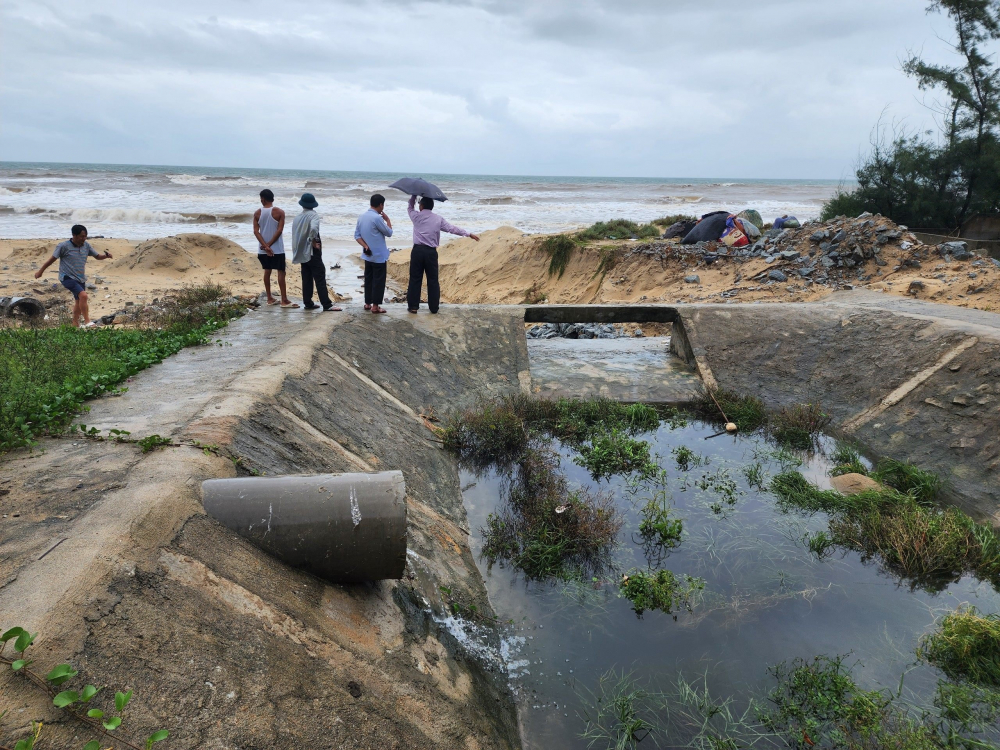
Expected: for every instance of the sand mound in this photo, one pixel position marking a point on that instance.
(509, 267)
(182, 253)
(32, 250)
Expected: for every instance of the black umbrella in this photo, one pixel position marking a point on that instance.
(419, 186)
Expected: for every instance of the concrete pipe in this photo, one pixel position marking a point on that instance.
(346, 528)
(27, 306)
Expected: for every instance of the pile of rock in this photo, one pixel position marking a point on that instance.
(580, 331)
(836, 253)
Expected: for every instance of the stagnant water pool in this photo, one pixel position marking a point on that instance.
(767, 598)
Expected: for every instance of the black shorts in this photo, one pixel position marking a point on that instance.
(272, 262)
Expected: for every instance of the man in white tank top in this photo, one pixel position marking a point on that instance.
(268, 226)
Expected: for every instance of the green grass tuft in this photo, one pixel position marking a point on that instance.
(966, 646)
(658, 526)
(667, 221)
(908, 479)
(798, 426)
(615, 452)
(560, 249)
(747, 412)
(847, 460)
(928, 545)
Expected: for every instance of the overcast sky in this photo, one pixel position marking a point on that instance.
(663, 88)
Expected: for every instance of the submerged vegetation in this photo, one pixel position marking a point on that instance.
(798, 426)
(49, 371)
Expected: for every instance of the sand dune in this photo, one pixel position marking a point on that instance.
(184, 253)
(509, 267)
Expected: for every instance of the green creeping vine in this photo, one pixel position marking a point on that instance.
(73, 701)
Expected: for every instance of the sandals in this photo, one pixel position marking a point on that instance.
(289, 306)
(333, 308)
(368, 307)
(378, 310)
(411, 310)
(273, 302)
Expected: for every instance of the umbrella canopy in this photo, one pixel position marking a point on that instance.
(419, 186)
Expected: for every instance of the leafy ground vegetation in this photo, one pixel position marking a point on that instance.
(81, 704)
(49, 371)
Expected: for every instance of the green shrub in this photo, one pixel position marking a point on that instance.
(667, 221)
(618, 229)
(966, 646)
(661, 590)
(560, 249)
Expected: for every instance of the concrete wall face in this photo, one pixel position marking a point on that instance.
(901, 378)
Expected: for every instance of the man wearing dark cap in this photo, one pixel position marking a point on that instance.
(307, 250)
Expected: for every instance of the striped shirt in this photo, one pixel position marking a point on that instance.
(73, 259)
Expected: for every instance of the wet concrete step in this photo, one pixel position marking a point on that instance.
(624, 369)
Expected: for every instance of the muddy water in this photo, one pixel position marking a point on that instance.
(767, 598)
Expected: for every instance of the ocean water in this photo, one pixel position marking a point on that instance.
(140, 202)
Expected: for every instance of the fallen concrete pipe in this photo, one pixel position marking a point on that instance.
(27, 306)
(346, 528)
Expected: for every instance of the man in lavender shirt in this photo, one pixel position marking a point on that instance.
(427, 228)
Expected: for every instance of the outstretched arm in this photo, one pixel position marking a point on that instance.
(410, 207)
(452, 229)
(46, 264)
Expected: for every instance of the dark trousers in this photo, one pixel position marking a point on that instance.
(313, 270)
(374, 283)
(424, 260)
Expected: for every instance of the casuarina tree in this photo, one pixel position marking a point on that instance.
(942, 182)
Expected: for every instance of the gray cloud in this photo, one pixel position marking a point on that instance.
(777, 88)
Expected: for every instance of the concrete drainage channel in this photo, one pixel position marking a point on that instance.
(385, 664)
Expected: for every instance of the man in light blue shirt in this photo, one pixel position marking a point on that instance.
(372, 229)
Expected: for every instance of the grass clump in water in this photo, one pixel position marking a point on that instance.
(966, 646)
(616, 453)
(818, 704)
(746, 412)
(618, 229)
(575, 421)
(798, 426)
(620, 714)
(929, 545)
(560, 249)
(661, 590)
(907, 478)
(685, 458)
(546, 531)
(658, 526)
(847, 460)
